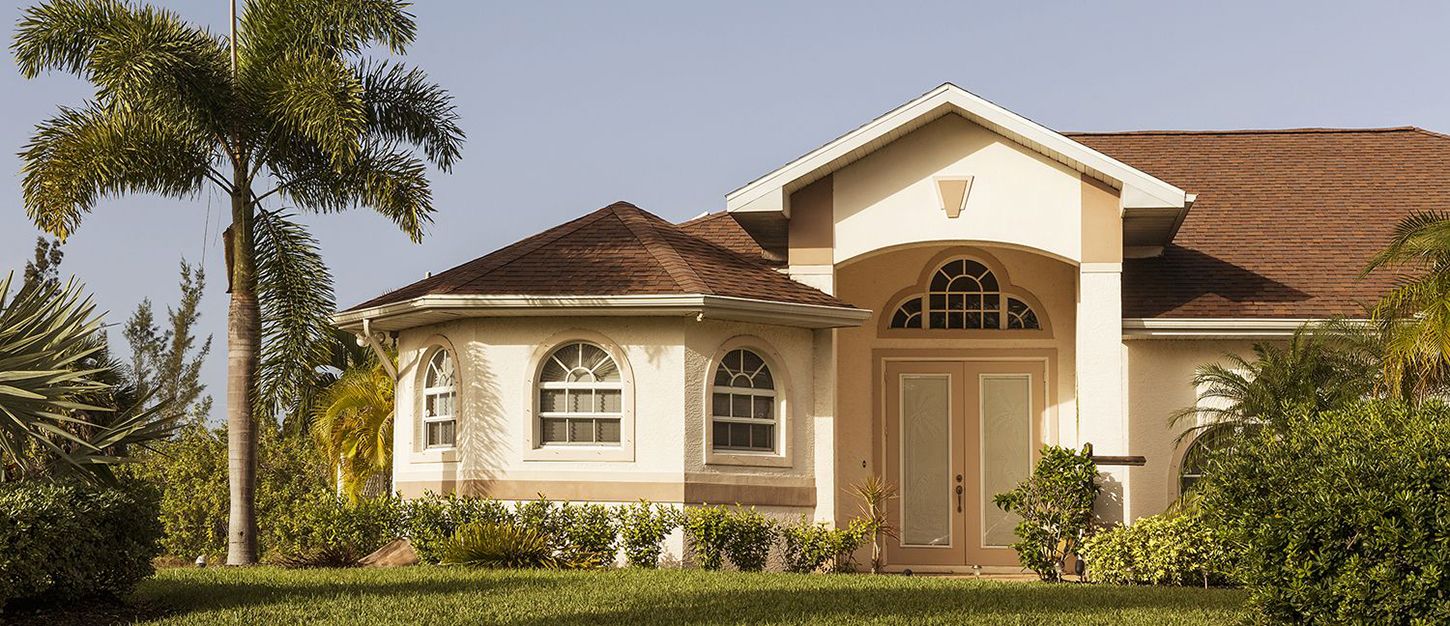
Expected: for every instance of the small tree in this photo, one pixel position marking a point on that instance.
(1056, 506)
(873, 494)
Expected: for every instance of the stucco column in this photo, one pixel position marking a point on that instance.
(1101, 419)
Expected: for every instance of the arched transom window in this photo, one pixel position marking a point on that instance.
(965, 294)
(1196, 458)
(581, 396)
(440, 402)
(743, 412)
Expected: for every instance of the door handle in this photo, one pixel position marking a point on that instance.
(959, 498)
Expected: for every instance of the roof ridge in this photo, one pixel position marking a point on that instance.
(658, 247)
(1256, 131)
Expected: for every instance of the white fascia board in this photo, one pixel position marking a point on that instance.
(1140, 190)
(1216, 328)
(395, 316)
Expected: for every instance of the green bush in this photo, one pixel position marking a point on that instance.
(430, 521)
(1161, 550)
(1342, 515)
(1056, 506)
(808, 547)
(60, 542)
(590, 535)
(708, 529)
(643, 528)
(749, 536)
(190, 472)
(330, 531)
(489, 544)
(547, 517)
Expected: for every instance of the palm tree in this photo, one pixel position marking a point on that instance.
(1412, 321)
(290, 111)
(52, 375)
(353, 424)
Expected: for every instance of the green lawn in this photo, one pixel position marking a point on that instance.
(431, 595)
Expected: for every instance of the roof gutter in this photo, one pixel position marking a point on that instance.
(436, 308)
(1218, 328)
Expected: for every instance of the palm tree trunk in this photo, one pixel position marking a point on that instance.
(243, 346)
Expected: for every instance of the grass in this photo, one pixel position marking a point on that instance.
(427, 595)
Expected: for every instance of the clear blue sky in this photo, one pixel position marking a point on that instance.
(569, 106)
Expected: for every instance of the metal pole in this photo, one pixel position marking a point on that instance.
(233, 38)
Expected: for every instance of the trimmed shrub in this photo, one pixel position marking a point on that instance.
(1160, 550)
(549, 518)
(330, 531)
(643, 528)
(61, 542)
(1342, 514)
(590, 537)
(1056, 506)
(491, 544)
(808, 547)
(749, 536)
(708, 528)
(430, 521)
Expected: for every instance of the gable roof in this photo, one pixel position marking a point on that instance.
(768, 193)
(619, 255)
(1284, 220)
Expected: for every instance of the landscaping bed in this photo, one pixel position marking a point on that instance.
(426, 595)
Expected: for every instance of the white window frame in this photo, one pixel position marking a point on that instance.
(781, 455)
(427, 392)
(568, 387)
(534, 449)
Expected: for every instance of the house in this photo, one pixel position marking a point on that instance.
(930, 297)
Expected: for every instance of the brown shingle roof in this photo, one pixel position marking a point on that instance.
(616, 251)
(724, 230)
(1285, 219)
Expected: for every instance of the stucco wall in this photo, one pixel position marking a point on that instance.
(666, 360)
(1017, 196)
(1159, 383)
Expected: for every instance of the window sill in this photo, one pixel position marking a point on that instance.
(621, 453)
(747, 459)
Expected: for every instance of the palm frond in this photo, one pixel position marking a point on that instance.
(353, 424)
(389, 181)
(404, 106)
(294, 290)
(272, 29)
(86, 154)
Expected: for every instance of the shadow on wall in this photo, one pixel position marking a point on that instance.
(1109, 506)
(481, 444)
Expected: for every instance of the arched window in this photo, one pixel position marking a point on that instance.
(1196, 457)
(580, 396)
(965, 294)
(743, 412)
(440, 402)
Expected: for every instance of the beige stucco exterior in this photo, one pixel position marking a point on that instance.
(871, 230)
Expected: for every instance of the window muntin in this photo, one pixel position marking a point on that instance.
(581, 397)
(440, 402)
(965, 294)
(1196, 458)
(743, 411)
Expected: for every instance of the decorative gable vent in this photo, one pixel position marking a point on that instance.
(952, 192)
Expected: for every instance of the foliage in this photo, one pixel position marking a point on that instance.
(1161, 550)
(291, 478)
(353, 422)
(873, 496)
(708, 529)
(294, 288)
(190, 473)
(1412, 321)
(807, 547)
(337, 532)
(1056, 507)
(749, 538)
(166, 364)
(646, 597)
(590, 535)
(643, 528)
(48, 387)
(1315, 368)
(544, 515)
(1341, 515)
(486, 544)
(62, 542)
(43, 270)
(430, 521)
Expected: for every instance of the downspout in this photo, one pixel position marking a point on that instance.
(378, 350)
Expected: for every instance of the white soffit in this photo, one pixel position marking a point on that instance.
(769, 192)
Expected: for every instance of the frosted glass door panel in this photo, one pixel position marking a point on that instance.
(1006, 450)
(926, 448)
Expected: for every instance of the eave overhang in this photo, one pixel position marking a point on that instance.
(434, 309)
(1217, 328)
